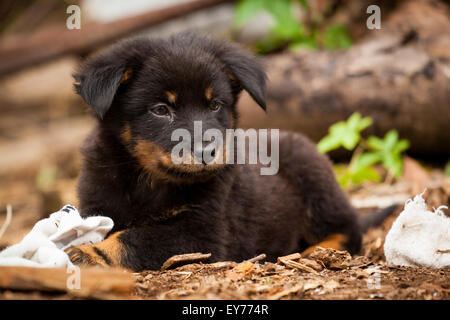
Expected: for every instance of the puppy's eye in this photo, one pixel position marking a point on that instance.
(214, 105)
(160, 110)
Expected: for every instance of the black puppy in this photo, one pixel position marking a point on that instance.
(144, 89)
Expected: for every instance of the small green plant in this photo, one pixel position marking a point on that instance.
(386, 151)
(447, 168)
(287, 29)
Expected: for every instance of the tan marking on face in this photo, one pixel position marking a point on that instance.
(125, 135)
(151, 156)
(171, 96)
(208, 93)
(126, 75)
(147, 154)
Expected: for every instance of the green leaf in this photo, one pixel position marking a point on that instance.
(390, 149)
(306, 42)
(281, 10)
(447, 168)
(350, 139)
(393, 163)
(353, 120)
(364, 174)
(401, 146)
(375, 143)
(287, 27)
(245, 10)
(366, 160)
(347, 136)
(390, 139)
(345, 133)
(364, 123)
(351, 175)
(343, 175)
(303, 3)
(337, 37)
(329, 143)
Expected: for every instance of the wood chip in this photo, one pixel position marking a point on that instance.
(331, 258)
(299, 266)
(293, 256)
(182, 259)
(311, 263)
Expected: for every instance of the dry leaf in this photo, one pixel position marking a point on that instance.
(244, 267)
(331, 258)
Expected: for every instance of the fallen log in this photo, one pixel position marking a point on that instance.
(399, 75)
(18, 52)
(98, 283)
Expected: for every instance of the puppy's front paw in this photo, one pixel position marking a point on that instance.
(84, 255)
(106, 253)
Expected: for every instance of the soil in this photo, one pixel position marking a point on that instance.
(328, 274)
(47, 180)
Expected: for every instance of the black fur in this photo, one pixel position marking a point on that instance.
(232, 211)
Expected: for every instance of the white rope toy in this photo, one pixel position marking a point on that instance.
(44, 245)
(419, 237)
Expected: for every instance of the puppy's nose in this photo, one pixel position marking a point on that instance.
(204, 154)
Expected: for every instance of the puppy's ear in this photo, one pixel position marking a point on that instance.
(100, 77)
(245, 71)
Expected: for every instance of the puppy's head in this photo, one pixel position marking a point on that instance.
(143, 90)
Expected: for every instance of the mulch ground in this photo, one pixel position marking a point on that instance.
(326, 274)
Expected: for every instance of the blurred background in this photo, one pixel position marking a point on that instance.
(375, 99)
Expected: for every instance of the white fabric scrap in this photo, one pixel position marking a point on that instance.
(44, 245)
(419, 237)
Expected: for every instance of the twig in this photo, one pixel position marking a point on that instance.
(7, 220)
(187, 258)
(299, 266)
(262, 256)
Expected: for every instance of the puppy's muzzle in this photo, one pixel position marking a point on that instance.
(205, 154)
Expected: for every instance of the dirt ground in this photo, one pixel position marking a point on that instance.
(334, 275)
(327, 274)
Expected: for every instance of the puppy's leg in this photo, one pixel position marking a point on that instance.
(148, 247)
(108, 252)
(336, 241)
(327, 217)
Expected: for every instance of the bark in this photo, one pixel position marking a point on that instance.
(398, 75)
